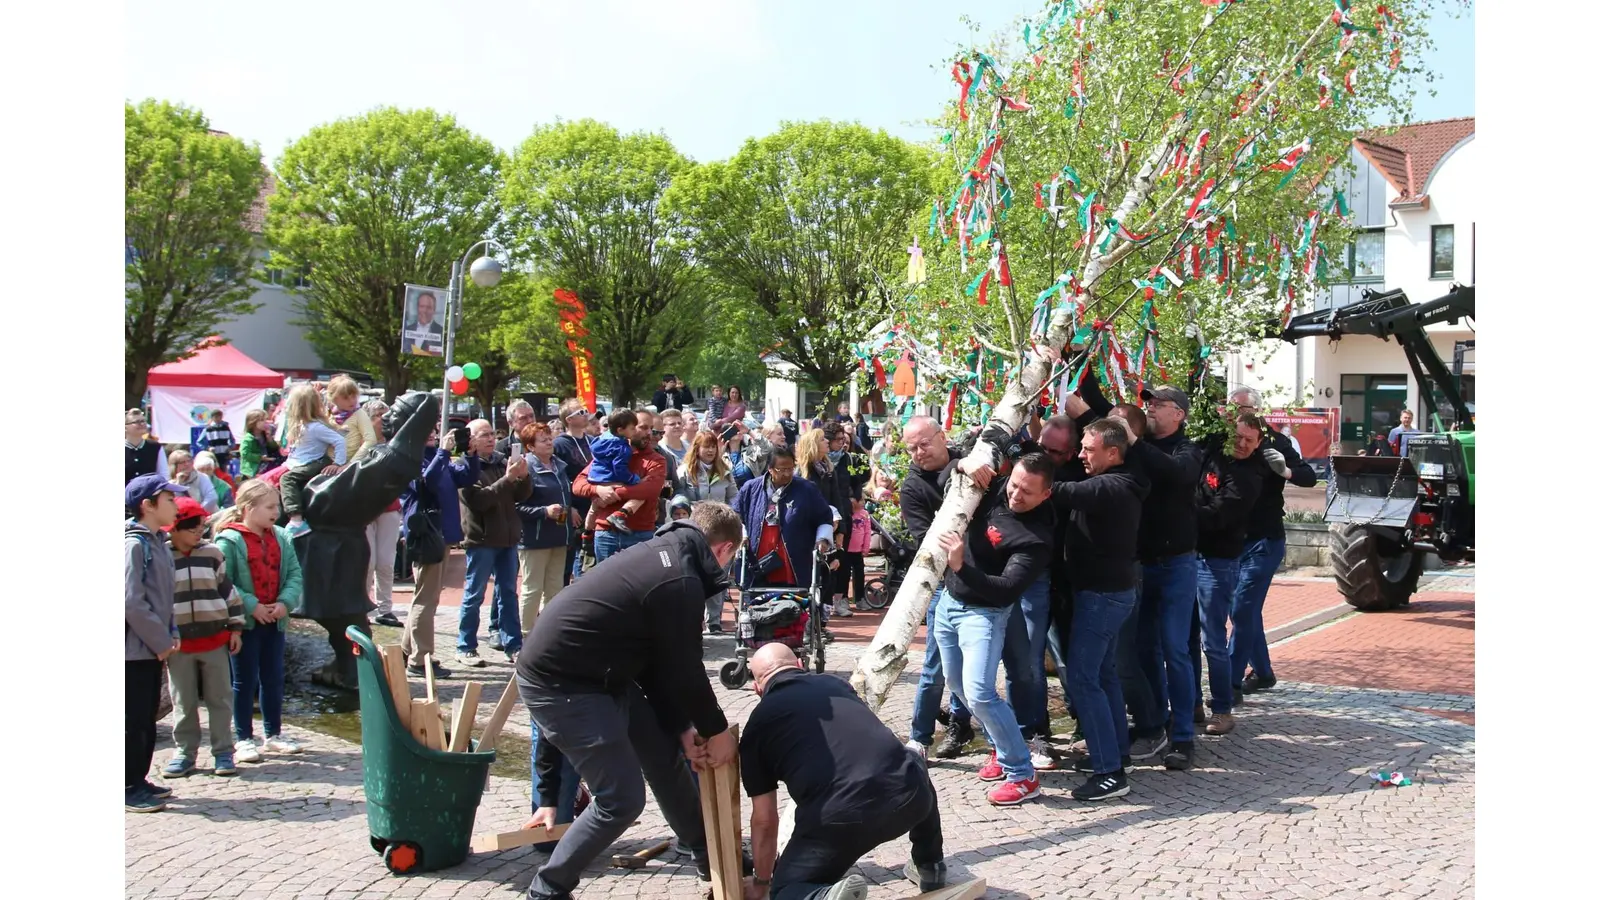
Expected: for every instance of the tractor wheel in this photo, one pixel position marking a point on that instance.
(1373, 574)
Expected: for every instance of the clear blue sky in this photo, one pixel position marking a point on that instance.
(709, 73)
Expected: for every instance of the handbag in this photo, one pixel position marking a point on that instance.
(424, 539)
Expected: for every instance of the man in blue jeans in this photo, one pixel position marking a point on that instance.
(1005, 548)
(491, 529)
(1230, 482)
(1166, 547)
(1263, 552)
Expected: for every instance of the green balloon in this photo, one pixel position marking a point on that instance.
(472, 371)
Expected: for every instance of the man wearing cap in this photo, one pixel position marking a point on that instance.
(1167, 530)
(149, 633)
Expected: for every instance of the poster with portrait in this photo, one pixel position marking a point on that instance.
(422, 333)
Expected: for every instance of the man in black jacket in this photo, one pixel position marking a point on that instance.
(1166, 547)
(611, 673)
(1263, 551)
(1230, 482)
(1005, 549)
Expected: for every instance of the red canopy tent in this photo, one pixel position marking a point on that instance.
(219, 376)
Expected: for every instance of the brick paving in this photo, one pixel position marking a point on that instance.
(1283, 807)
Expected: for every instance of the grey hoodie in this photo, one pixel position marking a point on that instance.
(147, 564)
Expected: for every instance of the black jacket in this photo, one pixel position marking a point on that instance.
(1223, 498)
(1099, 521)
(679, 399)
(1005, 551)
(1167, 526)
(635, 618)
(1266, 517)
(836, 488)
(920, 496)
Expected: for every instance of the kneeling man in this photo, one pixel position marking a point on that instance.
(854, 786)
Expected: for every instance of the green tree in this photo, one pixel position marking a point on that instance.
(188, 248)
(806, 226)
(532, 339)
(1185, 137)
(368, 204)
(732, 351)
(585, 201)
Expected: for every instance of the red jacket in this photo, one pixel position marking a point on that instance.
(651, 467)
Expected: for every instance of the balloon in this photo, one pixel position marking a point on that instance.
(453, 374)
(458, 387)
(472, 371)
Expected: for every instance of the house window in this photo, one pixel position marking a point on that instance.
(1444, 252)
(1364, 259)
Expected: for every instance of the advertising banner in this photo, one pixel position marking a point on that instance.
(1312, 430)
(422, 333)
(572, 316)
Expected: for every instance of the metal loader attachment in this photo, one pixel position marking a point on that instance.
(1372, 490)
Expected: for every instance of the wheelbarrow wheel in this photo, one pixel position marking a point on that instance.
(732, 674)
(403, 857)
(378, 843)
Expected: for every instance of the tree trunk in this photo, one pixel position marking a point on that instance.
(134, 383)
(396, 378)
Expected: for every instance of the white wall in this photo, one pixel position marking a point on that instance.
(269, 335)
(1408, 246)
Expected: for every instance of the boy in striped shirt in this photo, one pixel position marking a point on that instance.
(209, 616)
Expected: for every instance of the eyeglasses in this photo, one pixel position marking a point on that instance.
(656, 432)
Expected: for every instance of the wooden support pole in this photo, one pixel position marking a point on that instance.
(497, 720)
(427, 675)
(394, 671)
(719, 807)
(421, 712)
(466, 713)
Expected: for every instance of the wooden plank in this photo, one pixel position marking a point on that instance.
(434, 726)
(497, 720)
(719, 806)
(394, 671)
(970, 890)
(466, 713)
(427, 674)
(420, 711)
(510, 840)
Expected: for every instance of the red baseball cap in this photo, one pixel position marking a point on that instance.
(188, 508)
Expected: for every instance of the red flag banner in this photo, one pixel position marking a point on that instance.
(572, 316)
(1312, 430)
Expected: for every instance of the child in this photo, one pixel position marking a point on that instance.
(350, 417)
(714, 409)
(612, 452)
(210, 619)
(258, 451)
(311, 438)
(149, 635)
(263, 569)
(855, 553)
(680, 508)
(218, 438)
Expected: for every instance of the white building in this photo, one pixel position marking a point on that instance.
(269, 335)
(1414, 195)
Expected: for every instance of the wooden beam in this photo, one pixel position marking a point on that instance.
(394, 671)
(466, 713)
(421, 711)
(970, 890)
(497, 720)
(509, 840)
(719, 807)
(427, 674)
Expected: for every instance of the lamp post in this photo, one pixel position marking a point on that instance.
(485, 272)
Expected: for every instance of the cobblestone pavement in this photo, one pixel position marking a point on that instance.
(1283, 807)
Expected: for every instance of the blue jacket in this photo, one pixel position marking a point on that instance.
(803, 519)
(440, 478)
(550, 485)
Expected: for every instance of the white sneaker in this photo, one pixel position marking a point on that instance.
(246, 751)
(1039, 750)
(281, 744)
(920, 749)
(841, 608)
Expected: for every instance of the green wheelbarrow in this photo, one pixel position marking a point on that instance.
(421, 802)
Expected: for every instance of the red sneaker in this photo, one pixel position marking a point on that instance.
(1013, 792)
(991, 770)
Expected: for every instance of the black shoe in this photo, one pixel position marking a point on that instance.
(139, 800)
(1199, 713)
(747, 865)
(1143, 748)
(157, 791)
(389, 620)
(1102, 787)
(415, 671)
(1254, 682)
(1084, 765)
(1180, 757)
(955, 741)
(494, 640)
(926, 877)
(714, 629)
(943, 715)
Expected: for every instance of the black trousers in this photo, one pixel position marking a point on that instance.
(852, 571)
(344, 657)
(142, 683)
(292, 486)
(820, 855)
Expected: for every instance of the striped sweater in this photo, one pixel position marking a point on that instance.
(205, 605)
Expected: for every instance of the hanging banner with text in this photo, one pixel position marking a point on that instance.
(1311, 430)
(572, 315)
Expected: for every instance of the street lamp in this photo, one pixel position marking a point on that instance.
(485, 273)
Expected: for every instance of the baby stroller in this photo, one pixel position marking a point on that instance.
(791, 615)
(897, 556)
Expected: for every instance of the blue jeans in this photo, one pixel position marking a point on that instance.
(610, 543)
(1149, 717)
(1165, 612)
(1058, 639)
(1026, 638)
(970, 642)
(1215, 580)
(1248, 646)
(258, 667)
(930, 688)
(1096, 690)
(483, 563)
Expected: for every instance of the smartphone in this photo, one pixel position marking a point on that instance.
(516, 449)
(463, 439)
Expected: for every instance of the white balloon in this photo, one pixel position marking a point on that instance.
(454, 373)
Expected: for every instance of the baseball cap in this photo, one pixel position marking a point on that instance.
(188, 508)
(679, 502)
(1168, 393)
(146, 487)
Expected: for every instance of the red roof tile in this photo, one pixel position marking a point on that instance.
(1406, 154)
(256, 218)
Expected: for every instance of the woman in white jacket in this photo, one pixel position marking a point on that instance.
(705, 474)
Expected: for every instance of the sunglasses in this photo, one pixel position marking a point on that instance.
(657, 432)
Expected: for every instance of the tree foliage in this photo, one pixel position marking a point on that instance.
(585, 203)
(188, 246)
(805, 226)
(368, 204)
(531, 337)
